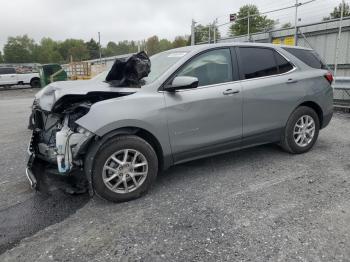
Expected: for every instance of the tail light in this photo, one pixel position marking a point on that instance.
(329, 77)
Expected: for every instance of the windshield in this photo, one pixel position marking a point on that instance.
(162, 62)
(159, 64)
(101, 76)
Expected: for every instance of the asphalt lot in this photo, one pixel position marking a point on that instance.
(259, 204)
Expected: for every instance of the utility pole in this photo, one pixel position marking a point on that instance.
(99, 45)
(296, 22)
(248, 25)
(214, 29)
(209, 36)
(338, 39)
(193, 33)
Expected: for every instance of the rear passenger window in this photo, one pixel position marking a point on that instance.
(309, 57)
(283, 65)
(212, 67)
(257, 62)
(7, 71)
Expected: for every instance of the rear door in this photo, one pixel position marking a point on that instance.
(270, 92)
(8, 76)
(207, 119)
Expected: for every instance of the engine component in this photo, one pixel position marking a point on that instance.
(66, 140)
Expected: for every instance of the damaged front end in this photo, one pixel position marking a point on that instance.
(58, 144)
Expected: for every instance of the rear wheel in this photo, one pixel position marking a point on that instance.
(35, 83)
(125, 168)
(301, 131)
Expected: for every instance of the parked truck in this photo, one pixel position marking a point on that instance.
(9, 77)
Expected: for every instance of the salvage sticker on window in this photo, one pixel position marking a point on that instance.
(177, 55)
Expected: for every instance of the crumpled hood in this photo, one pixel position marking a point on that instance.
(49, 95)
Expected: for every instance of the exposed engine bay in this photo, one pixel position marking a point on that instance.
(58, 145)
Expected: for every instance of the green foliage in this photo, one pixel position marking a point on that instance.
(286, 25)
(202, 33)
(22, 49)
(152, 45)
(179, 41)
(257, 22)
(93, 49)
(74, 49)
(165, 44)
(337, 12)
(19, 49)
(123, 47)
(47, 52)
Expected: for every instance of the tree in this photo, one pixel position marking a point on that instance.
(257, 22)
(179, 41)
(19, 49)
(152, 45)
(165, 44)
(286, 25)
(47, 52)
(202, 33)
(122, 48)
(1, 58)
(75, 49)
(337, 12)
(93, 48)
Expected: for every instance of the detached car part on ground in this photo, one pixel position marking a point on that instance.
(114, 133)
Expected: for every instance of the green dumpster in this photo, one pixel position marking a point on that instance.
(51, 73)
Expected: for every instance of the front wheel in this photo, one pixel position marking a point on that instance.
(125, 168)
(301, 131)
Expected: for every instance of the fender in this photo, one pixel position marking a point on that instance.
(93, 149)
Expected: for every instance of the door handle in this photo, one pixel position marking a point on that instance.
(291, 81)
(230, 92)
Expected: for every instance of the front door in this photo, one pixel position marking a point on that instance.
(207, 119)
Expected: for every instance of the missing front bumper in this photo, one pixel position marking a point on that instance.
(44, 177)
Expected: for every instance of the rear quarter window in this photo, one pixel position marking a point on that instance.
(309, 57)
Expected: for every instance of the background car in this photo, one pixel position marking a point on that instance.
(9, 77)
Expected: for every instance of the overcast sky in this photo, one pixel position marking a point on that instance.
(132, 19)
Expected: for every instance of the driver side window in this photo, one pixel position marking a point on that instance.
(213, 67)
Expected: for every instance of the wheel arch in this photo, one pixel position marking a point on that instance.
(99, 141)
(315, 107)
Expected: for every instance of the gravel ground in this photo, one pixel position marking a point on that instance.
(259, 204)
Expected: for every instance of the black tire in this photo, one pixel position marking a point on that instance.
(35, 83)
(288, 142)
(110, 147)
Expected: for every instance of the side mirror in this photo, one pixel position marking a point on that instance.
(182, 82)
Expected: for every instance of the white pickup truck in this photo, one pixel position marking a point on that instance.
(9, 77)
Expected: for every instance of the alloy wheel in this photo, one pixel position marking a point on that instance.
(304, 131)
(125, 171)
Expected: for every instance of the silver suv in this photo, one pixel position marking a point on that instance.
(196, 102)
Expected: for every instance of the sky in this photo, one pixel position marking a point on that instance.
(133, 19)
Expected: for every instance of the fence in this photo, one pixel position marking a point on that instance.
(341, 89)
